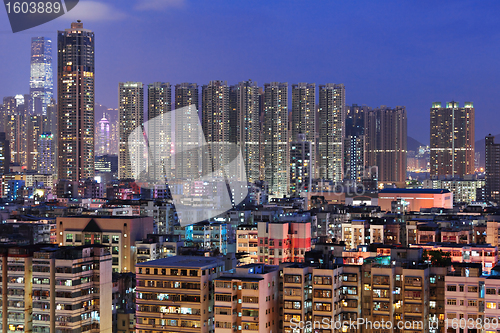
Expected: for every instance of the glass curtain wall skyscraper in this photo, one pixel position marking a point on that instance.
(41, 75)
(75, 74)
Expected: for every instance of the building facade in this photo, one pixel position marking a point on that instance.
(75, 72)
(159, 132)
(120, 234)
(175, 294)
(245, 103)
(275, 136)
(331, 125)
(452, 139)
(187, 136)
(41, 75)
(131, 116)
(492, 170)
(301, 163)
(385, 143)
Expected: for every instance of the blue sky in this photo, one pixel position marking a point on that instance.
(391, 53)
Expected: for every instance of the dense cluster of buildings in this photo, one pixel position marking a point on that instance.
(331, 234)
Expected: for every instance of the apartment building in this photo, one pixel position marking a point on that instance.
(361, 232)
(49, 289)
(283, 241)
(471, 298)
(247, 242)
(175, 294)
(247, 299)
(483, 254)
(120, 233)
(204, 235)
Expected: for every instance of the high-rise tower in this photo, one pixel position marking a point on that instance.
(492, 170)
(131, 116)
(75, 75)
(186, 131)
(103, 137)
(275, 135)
(159, 105)
(246, 103)
(331, 118)
(304, 115)
(216, 123)
(385, 142)
(452, 140)
(41, 76)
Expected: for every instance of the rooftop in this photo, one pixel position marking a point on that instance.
(414, 191)
(183, 262)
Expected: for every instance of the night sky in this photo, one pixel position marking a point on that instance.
(391, 53)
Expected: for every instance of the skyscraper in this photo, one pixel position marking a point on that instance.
(331, 118)
(452, 139)
(103, 139)
(41, 78)
(304, 114)
(131, 116)
(35, 129)
(492, 170)
(385, 142)
(300, 165)
(354, 142)
(354, 157)
(14, 126)
(275, 135)
(159, 104)
(46, 162)
(75, 63)
(216, 124)
(186, 133)
(246, 101)
(4, 154)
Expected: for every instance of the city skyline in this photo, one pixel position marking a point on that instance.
(393, 72)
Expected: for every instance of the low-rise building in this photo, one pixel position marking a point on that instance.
(175, 294)
(247, 299)
(120, 233)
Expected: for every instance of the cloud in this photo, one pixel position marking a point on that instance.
(158, 4)
(95, 11)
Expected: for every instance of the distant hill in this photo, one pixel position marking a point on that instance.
(480, 148)
(413, 144)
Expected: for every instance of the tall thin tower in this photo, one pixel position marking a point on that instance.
(103, 137)
(186, 131)
(452, 139)
(41, 76)
(331, 118)
(304, 115)
(216, 123)
(275, 136)
(246, 103)
(160, 130)
(131, 116)
(385, 142)
(75, 63)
